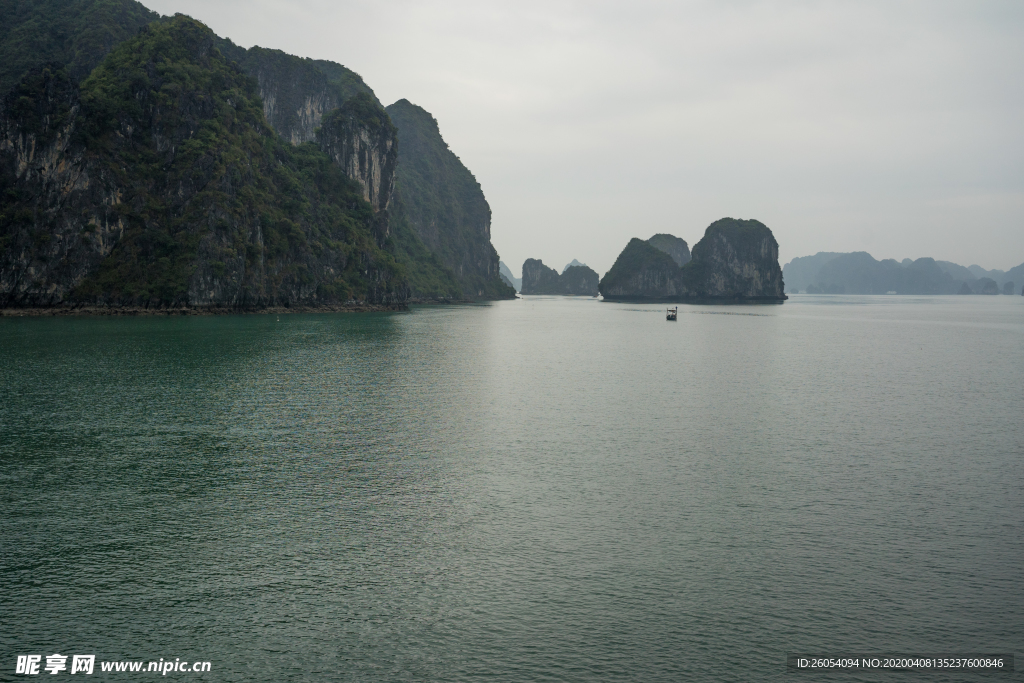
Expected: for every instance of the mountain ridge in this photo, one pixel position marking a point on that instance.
(860, 273)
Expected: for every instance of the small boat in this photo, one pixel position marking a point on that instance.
(672, 313)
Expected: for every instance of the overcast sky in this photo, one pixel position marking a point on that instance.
(890, 127)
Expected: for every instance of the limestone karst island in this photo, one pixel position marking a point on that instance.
(736, 260)
(147, 163)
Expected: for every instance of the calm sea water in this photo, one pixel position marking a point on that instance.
(548, 489)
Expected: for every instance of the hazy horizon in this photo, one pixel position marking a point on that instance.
(891, 128)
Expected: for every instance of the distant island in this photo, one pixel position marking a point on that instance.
(575, 280)
(736, 260)
(147, 163)
(505, 273)
(859, 273)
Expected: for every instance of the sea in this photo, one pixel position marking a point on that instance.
(546, 489)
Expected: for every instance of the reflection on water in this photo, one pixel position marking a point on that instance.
(544, 489)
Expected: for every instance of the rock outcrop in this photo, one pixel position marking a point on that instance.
(361, 140)
(297, 92)
(158, 182)
(575, 281)
(643, 272)
(675, 247)
(538, 278)
(579, 281)
(443, 204)
(736, 260)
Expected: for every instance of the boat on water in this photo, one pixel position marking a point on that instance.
(672, 313)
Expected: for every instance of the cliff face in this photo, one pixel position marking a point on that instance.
(308, 100)
(538, 278)
(675, 247)
(443, 204)
(575, 281)
(736, 260)
(60, 216)
(579, 281)
(642, 272)
(158, 182)
(297, 92)
(361, 140)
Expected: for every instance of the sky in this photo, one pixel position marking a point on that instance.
(891, 127)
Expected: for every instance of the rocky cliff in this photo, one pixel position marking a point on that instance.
(297, 92)
(736, 260)
(361, 140)
(579, 281)
(675, 247)
(158, 182)
(322, 101)
(538, 278)
(575, 281)
(642, 272)
(444, 205)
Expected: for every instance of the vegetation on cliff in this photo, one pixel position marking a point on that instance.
(75, 34)
(579, 280)
(208, 205)
(641, 270)
(444, 205)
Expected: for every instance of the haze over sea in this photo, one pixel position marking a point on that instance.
(547, 489)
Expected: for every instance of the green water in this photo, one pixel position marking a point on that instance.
(548, 489)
